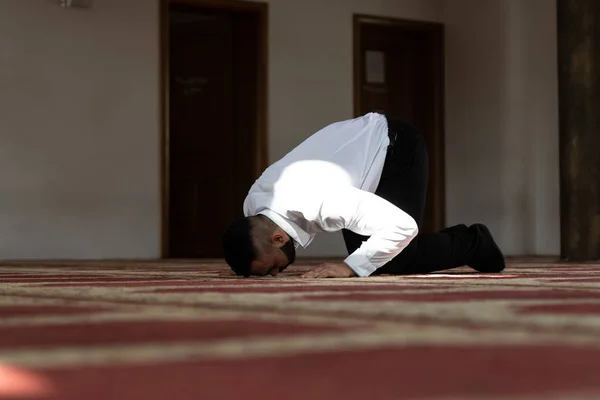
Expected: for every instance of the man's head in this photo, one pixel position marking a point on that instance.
(257, 246)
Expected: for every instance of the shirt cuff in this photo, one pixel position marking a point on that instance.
(360, 264)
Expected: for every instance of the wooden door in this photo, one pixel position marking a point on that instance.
(201, 155)
(399, 70)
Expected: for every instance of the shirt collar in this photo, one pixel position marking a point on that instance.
(298, 234)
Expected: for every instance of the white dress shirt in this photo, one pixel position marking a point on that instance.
(327, 183)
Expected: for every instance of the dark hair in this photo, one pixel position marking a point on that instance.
(239, 247)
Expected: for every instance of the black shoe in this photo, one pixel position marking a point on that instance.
(487, 257)
(454, 229)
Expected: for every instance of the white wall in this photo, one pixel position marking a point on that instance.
(79, 107)
(79, 130)
(502, 121)
(79, 117)
(311, 72)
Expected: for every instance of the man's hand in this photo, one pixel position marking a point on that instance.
(330, 271)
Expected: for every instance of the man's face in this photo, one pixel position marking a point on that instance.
(274, 262)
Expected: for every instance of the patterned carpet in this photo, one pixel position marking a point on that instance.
(190, 330)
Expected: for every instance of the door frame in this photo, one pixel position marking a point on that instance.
(437, 156)
(260, 138)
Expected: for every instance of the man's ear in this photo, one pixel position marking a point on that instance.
(278, 238)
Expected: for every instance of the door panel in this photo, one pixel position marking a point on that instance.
(201, 131)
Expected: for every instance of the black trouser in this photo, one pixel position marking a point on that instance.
(404, 183)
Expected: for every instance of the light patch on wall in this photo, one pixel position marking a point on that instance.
(76, 3)
(375, 66)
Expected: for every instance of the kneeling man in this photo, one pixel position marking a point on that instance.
(368, 178)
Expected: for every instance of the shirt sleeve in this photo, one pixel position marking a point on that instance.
(390, 229)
